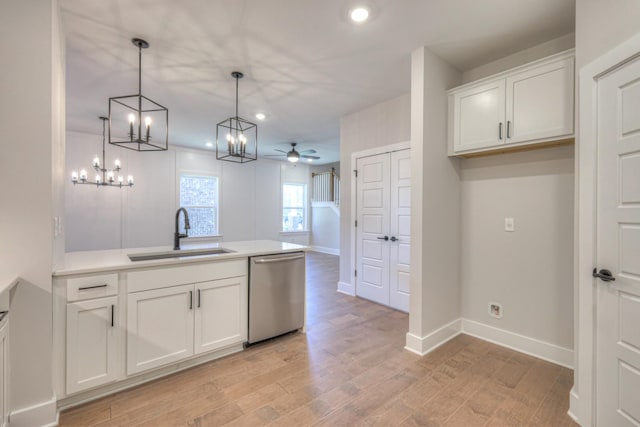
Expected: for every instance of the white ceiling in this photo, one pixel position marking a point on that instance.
(305, 64)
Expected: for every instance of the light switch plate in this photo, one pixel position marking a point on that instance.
(509, 224)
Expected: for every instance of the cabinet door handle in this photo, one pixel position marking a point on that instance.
(198, 298)
(500, 131)
(190, 300)
(113, 309)
(84, 288)
(508, 128)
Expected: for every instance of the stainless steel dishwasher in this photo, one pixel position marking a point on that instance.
(276, 295)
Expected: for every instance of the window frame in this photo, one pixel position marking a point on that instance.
(304, 207)
(216, 207)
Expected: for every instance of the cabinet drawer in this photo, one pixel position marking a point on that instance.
(82, 288)
(174, 276)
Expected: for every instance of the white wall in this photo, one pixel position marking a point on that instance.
(536, 189)
(528, 271)
(435, 206)
(325, 220)
(144, 215)
(382, 124)
(31, 107)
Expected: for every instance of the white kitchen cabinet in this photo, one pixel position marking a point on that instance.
(221, 313)
(93, 343)
(159, 327)
(4, 372)
(529, 105)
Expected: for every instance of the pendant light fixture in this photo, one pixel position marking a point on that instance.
(236, 138)
(137, 122)
(104, 177)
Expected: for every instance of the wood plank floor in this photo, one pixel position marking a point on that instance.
(349, 369)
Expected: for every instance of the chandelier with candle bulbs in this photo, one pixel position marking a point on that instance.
(135, 121)
(104, 176)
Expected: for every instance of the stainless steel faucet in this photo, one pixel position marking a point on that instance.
(176, 235)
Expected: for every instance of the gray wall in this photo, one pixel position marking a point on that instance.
(382, 124)
(536, 189)
(32, 111)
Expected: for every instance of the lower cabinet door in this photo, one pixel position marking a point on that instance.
(159, 327)
(221, 313)
(92, 343)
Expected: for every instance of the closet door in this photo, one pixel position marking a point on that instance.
(372, 250)
(400, 235)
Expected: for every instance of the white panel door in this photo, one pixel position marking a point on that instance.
(159, 327)
(399, 219)
(479, 116)
(618, 249)
(221, 313)
(540, 103)
(92, 343)
(373, 227)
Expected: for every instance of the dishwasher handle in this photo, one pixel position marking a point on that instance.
(279, 259)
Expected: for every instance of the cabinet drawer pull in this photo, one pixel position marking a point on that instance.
(198, 298)
(85, 288)
(508, 128)
(190, 300)
(113, 309)
(500, 131)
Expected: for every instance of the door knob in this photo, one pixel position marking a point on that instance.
(385, 238)
(604, 275)
(394, 238)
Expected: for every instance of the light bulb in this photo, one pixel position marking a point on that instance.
(229, 137)
(110, 176)
(359, 14)
(96, 162)
(120, 179)
(130, 180)
(132, 118)
(74, 176)
(83, 174)
(147, 121)
(117, 163)
(98, 179)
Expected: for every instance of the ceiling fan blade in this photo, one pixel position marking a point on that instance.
(285, 152)
(273, 155)
(310, 157)
(309, 151)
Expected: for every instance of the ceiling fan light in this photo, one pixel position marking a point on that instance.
(293, 156)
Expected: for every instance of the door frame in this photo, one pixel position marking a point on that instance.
(583, 394)
(350, 289)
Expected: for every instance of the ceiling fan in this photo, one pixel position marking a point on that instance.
(293, 156)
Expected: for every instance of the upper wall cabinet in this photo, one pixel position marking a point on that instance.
(531, 105)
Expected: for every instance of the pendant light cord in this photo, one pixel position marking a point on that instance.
(104, 167)
(236, 96)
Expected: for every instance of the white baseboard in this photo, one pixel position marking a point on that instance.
(43, 414)
(346, 288)
(426, 344)
(573, 406)
(540, 349)
(330, 251)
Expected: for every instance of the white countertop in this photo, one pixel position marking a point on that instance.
(117, 259)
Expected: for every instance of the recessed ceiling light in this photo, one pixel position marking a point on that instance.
(209, 144)
(260, 116)
(359, 14)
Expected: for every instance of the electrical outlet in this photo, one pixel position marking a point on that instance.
(495, 310)
(509, 224)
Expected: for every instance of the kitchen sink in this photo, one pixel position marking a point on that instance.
(149, 256)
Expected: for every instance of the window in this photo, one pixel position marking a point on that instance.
(199, 195)
(294, 203)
